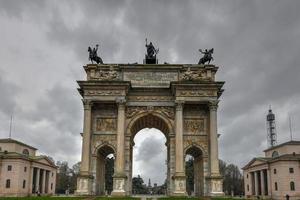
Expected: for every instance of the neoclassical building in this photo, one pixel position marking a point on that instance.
(22, 172)
(181, 100)
(275, 175)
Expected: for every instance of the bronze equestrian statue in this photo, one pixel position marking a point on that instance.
(207, 57)
(93, 56)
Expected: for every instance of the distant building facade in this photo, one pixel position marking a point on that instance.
(275, 175)
(22, 172)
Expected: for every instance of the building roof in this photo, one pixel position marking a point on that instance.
(9, 140)
(16, 155)
(292, 142)
(266, 160)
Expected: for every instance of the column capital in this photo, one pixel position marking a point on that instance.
(213, 105)
(121, 101)
(87, 104)
(179, 105)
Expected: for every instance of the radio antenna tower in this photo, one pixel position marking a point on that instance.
(10, 126)
(271, 129)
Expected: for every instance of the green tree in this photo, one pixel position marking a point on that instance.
(138, 186)
(232, 179)
(109, 172)
(73, 177)
(189, 169)
(63, 177)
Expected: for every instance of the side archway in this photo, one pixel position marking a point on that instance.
(104, 159)
(195, 170)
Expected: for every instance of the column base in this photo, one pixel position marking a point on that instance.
(215, 183)
(180, 185)
(84, 184)
(119, 185)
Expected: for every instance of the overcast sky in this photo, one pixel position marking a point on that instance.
(43, 46)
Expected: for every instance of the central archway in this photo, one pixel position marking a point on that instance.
(149, 120)
(149, 162)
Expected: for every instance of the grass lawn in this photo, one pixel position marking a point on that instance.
(195, 198)
(112, 198)
(41, 198)
(67, 198)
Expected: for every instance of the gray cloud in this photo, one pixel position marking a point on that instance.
(8, 95)
(256, 46)
(150, 155)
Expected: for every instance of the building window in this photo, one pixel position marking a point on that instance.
(247, 175)
(25, 169)
(291, 170)
(9, 167)
(292, 186)
(51, 186)
(26, 152)
(247, 187)
(275, 171)
(52, 174)
(275, 154)
(276, 187)
(24, 183)
(7, 183)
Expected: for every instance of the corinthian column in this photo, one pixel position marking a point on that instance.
(120, 136)
(214, 158)
(119, 175)
(179, 138)
(180, 186)
(84, 186)
(86, 143)
(215, 178)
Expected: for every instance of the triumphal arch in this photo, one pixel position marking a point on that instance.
(181, 100)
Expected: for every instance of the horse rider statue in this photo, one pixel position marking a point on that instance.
(207, 57)
(93, 56)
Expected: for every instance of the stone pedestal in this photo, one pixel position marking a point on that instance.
(84, 185)
(179, 185)
(215, 184)
(119, 185)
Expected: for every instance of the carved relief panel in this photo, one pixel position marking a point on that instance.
(105, 119)
(134, 110)
(195, 120)
(193, 126)
(106, 124)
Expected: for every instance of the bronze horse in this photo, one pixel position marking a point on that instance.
(93, 55)
(207, 56)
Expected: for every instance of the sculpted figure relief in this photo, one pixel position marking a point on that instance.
(105, 75)
(167, 111)
(106, 124)
(190, 75)
(194, 126)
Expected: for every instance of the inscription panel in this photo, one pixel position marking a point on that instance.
(150, 79)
